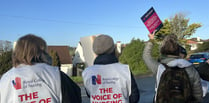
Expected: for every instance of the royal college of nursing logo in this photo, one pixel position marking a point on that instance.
(17, 83)
(96, 79)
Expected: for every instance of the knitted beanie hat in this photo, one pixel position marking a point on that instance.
(103, 44)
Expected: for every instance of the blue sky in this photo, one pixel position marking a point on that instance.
(63, 22)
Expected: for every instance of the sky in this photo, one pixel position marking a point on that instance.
(64, 22)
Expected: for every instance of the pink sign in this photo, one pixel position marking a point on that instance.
(151, 20)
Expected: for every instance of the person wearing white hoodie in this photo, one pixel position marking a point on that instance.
(170, 55)
(32, 79)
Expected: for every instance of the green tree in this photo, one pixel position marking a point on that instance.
(165, 30)
(132, 55)
(55, 58)
(5, 62)
(178, 25)
(72, 51)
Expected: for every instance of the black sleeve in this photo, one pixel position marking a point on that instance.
(203, 71)
(71, 92)
(135, 95)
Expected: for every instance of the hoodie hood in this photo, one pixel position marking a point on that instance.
(181, 63)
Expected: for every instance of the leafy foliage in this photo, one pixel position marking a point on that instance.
(178, 25)
(55, 58)
(5, 62)
(132, 55)
(165, 30)
(72, 51)
(5, 46)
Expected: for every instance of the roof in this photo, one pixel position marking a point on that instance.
(191, 42)
(63, 53)
(196, 39)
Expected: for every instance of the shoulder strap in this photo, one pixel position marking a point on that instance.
(175, 68)
(165, 65)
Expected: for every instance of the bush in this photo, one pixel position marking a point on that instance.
(132, 55)
(203, 47)
(5, 62)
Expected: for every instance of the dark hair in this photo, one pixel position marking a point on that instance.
(182, 50)
(170, 46)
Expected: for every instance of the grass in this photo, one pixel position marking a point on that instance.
(77, 79)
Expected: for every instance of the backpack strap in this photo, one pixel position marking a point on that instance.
(175, 68)
(165, 65)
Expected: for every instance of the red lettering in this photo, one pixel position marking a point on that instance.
(110, 90)
(21, 97)
(42, 101)
(30, 96)
(102, 97)
(93, 97)
(107, 97)
(117, 96)
(120, 101)
(48, 100)
(98, 97)
(105, 90)
(116, 101)
(35, 95)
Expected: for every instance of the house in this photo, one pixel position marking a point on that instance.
(194, 42)
(65, 58)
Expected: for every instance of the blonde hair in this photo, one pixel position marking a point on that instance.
(170, 45)
(30, 49)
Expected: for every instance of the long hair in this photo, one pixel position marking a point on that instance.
(170, 46)
(30, 49)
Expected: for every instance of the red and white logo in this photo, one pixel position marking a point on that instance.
(17, 83)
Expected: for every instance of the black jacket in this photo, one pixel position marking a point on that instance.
(71, 92)
(109, 59)
(203, 71)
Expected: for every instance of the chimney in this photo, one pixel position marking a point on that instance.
(118, 45)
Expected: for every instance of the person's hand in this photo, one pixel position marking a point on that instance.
(151, 36)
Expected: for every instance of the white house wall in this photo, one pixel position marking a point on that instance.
(79, 57)
(87, 45)
(67, 68)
